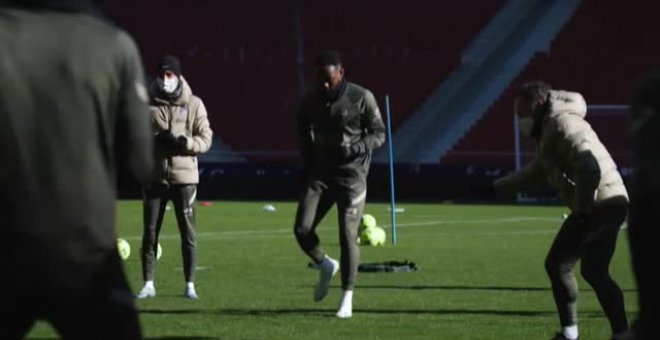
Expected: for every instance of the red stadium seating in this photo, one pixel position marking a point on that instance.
(241, 57)
(601, 53)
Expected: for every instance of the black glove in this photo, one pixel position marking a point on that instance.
(183, 141)
(352, 150)
(167, 140)
(580, 218)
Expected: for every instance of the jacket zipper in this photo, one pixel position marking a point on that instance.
(168, 115)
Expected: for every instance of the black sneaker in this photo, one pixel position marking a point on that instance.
(628, 335)
(560, 336)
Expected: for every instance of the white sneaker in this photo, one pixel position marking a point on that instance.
(190, 293)
(328, 269)
(346, 307)
(345, 312)
(147, 291)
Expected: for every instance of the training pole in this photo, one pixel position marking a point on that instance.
(516, 148)
(391, 156)
(516, 142)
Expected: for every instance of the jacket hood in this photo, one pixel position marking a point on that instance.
(565, 102)
(184, 98)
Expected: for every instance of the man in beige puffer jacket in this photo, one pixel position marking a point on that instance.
(571, 158)
(182, 131)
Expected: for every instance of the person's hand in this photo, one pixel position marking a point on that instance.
(167, 140)
(581, 217)
(182, 141)
(352, 150)
(502, 190)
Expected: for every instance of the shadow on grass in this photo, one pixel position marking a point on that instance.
(180, 337)
(173, 337)
(330, 312)
(458, 287)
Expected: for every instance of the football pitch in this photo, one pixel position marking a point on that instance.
(481, 277)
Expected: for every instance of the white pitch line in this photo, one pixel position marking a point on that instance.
(463, 221)
(238, 233)
(490, 233)
(197, 268)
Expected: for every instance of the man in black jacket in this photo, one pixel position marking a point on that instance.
(339, 125)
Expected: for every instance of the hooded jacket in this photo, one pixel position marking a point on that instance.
(182, 116)
(571, 158)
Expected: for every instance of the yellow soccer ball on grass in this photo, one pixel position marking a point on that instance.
(374, 236)
(124, 249)
(369, 232)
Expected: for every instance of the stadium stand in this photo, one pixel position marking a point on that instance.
(242, 58)
(601, 53)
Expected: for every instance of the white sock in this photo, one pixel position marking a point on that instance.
(346, 308)
(570, 332)
(347, 300)
(149, 284)
(190, 285)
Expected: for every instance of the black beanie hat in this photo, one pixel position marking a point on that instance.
(170, 63)
(328, 57)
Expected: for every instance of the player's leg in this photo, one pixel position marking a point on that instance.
(562, 257)
(154, 202)
(314, 204)
(105, 310)
(598, 252)
(350, 205)
(183, 197)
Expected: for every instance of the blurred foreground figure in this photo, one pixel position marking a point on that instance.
(643, 226)
(571, 158)
(73, 112)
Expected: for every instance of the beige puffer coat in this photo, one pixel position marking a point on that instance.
(571, 158)
(185, 116)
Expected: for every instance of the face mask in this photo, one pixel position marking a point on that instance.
(168, 85)
(526, 126)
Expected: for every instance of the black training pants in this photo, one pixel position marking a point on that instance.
(317, 198)
(593, 241)
(155, 201)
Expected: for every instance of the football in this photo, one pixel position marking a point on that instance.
(124, 248)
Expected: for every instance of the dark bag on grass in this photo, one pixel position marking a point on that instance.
(381, 267)
(388, 267)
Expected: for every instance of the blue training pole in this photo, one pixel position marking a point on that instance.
(391, 153)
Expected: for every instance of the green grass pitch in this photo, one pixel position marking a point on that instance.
(481, 277)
